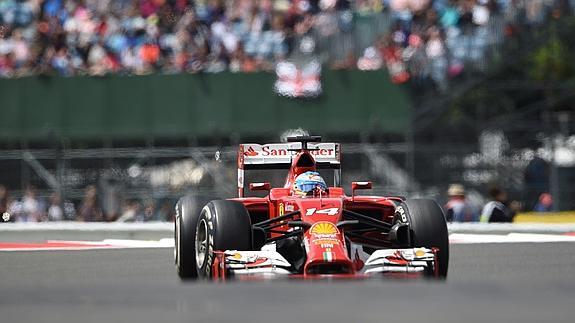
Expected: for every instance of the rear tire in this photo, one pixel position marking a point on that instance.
(222, 225)
(427, 228)
(188, 211)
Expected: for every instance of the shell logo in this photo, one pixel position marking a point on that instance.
(324, 228)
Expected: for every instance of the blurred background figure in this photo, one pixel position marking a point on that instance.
(536, 177)
(545, 203)
(60, 210)
(14, 209)
(458, 209)
(90, 210)
(3, 198)
(4, 204)
(165, 212)
(55, 210)
(132, 212)
(32, 210)
(500, 209)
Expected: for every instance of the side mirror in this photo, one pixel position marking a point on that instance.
(260, 186)
(359, 186)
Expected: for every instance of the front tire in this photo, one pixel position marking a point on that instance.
(188, 211)
(222, 225)
(427, 228)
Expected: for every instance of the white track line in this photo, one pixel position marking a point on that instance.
(464, 238)
(454, 238)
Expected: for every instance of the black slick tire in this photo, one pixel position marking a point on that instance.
(222, 225)
(188, 211)
(427, 228)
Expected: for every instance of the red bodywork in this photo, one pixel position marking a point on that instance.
(324, 241)
(324, 212)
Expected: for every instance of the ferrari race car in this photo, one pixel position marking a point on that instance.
(306, 229)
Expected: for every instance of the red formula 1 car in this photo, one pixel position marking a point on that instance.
(320, 232)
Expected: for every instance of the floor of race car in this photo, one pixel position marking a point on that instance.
(515, 282)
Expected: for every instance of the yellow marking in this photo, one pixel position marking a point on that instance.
(545, 217)
(419, 253)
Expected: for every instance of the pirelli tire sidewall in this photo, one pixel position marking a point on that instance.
(188, 211)
(187, 214)
(427, 228)
(228, 227)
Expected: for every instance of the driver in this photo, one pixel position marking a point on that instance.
(307, 183)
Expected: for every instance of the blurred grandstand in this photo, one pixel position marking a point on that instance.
(418, 38)
(478, 92)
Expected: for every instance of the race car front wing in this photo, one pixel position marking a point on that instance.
(269, 263)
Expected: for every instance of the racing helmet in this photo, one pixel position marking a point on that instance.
(306, 183)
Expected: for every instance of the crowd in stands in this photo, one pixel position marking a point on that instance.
(32, 208)
(422, 38)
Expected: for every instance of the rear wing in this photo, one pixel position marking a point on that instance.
(279, 156)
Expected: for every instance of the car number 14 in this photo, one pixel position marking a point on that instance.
(330, 211)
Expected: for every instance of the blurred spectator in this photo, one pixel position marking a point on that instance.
(6, 217)
(3, 199)
(149, 210)
(131, 212)
(59, 210)
(500, 209)
(370, 61)
(32, 210)
(55, 210)
(165, 212)
(90, 210)
(458, 209)
(436, 53)
(391, 51)
(545, 203)
(536, 178)
(14, 209)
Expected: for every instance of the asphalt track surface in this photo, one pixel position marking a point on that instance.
(528, 282)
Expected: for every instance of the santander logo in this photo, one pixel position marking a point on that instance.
(278, 150)
(250, 152)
